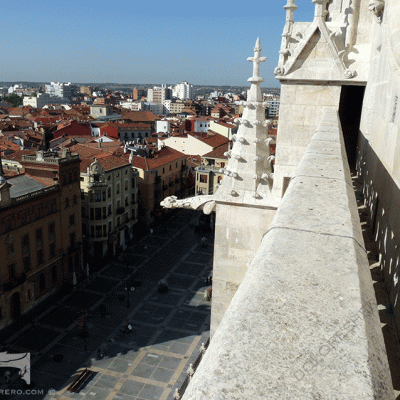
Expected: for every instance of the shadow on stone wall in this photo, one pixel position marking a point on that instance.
(381, 199)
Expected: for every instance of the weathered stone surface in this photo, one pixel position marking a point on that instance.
(304, 322)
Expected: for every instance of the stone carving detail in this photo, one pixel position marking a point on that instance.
(293, 43)
(206, 203)
(349, 73)
(377, 7)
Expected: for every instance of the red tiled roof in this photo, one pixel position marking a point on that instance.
(87, 152)
(73, 129)
(211, 138)
(16, 155)
(218, 152)
(193, 161)
(165, 156)
(139, 116)
(108, 161)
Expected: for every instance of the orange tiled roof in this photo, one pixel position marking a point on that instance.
(211, 138)
(108, 161)
(16, 155)
(139, 116)
(218, 152)
(165, 156)
(87, 152)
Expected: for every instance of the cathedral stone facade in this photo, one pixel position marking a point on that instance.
(294, 313)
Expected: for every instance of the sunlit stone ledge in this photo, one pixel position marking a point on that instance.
(304, 322)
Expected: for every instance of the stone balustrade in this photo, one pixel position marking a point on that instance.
(303, 323)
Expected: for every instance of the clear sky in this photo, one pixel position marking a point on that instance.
(202, 42)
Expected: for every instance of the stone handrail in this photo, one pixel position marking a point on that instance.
(304, 323)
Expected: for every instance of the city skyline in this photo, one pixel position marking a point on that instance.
(132, 43)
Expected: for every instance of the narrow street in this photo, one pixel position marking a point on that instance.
(168, 329)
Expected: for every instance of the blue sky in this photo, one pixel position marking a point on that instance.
(202, 42)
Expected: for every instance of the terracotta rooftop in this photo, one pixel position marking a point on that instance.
(139, 116)
(73, 129)
(218, 152)
(86, 152)
(16, 155)
(210, 137)
(108, 161)
(165, 156)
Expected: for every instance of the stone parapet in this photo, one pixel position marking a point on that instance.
(303, 323)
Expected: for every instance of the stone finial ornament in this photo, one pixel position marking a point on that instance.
(294, 42)
(290, 9)
(256, 60)
(320, 8)
(377, 7)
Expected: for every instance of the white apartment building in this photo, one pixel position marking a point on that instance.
(273, 107)
(159, 94)
(58, 89)
(132, 105)
(183, 91)
(43, 99)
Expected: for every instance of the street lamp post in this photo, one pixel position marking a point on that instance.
(131, 289)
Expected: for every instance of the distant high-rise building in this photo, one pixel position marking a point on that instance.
(138, 93)
(183, 91)
(85, 90)
(159, 94)
(58, 89)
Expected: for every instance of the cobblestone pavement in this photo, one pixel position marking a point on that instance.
(168, 329)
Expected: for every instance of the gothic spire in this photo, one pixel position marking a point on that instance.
(248, 174)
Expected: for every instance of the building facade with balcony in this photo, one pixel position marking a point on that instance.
(40, 231)
(210, 173)
(109, 194)
(163, 174)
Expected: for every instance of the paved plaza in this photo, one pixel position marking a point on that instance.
(168, 329)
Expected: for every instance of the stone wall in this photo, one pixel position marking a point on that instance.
(379, 147)
(302, 107)
(238, 234)
(304, 321)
